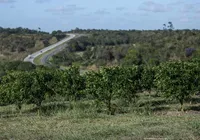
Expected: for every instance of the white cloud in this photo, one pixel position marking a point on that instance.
(7, 1)
(151, 6)
(42, 1)
(102, 12)
(69, 9)
(120, 8)
(188, 8)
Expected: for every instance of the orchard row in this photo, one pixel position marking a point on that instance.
(176, 80)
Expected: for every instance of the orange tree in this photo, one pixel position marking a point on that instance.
(71, 84)
(26, 87)
(15, 88)
(109, 84)
(177, 80)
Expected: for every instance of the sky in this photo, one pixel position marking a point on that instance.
(65, 15)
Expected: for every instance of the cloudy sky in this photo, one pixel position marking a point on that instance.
(102, 14)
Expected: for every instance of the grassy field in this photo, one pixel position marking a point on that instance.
(151, 118)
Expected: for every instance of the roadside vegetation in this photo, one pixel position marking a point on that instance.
(17, 43)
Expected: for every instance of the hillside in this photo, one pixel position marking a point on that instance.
(127, 47)
(17, 43)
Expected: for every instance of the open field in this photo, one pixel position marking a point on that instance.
(151, 117)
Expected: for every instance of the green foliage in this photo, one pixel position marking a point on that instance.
(11, 65)
(71, 84)
(103, 85)
(58, 34)
(66, 58)
(110, 87)
(26, 87)
(15, 88)
(130, 83)
(133, 56)
(19, 30)
(147, 79)
(177, 80)
(113, 83)
(15, 66)
(26, 66)
(42, 85)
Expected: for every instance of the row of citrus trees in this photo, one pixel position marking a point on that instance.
(176, 80)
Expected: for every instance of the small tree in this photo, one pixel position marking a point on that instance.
(164, 27)
(133, 57)
(39, 29)
(129, 80)
(103, 86)
(113, 83)
(176, 80)
(72, 84)
(42, 85)
(15, 88)
(170, 26)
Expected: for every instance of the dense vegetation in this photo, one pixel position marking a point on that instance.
(105, 47)
(177, 80)
(17, 43)
(15, 66)
(41, 103)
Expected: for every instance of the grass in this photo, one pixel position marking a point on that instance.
(81, 121)
(37, 60)
(74, 125)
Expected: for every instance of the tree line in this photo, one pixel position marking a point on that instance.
(20, 30)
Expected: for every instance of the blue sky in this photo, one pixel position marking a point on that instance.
(101, 14)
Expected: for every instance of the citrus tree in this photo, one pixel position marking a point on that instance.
(109, 84)
(71, 84)
(129, 83)
(103, 86)
(15, 88)
(177, 80)
(42, 85)
(26, 87)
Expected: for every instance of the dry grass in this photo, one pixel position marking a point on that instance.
(77, 126)
(83, 122)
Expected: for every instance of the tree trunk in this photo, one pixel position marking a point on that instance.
(19, 107)
(182, 108)
(109, 106)
(38, 104)
(149, 91)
